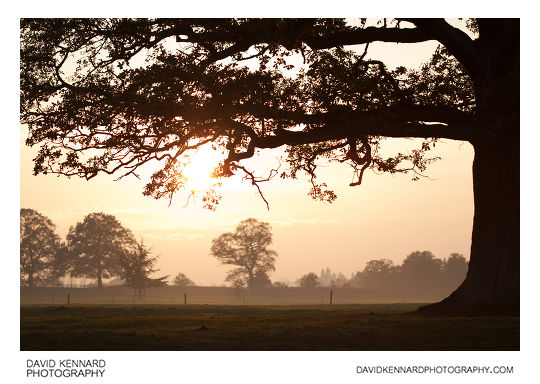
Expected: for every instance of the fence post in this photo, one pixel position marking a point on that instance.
(185, 298)
(331, 292)
(68, 299)
(113, 299)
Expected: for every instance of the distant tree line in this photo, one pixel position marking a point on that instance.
(419, 270)
(99, 248)
(246, 248)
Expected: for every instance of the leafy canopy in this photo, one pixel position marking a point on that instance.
(309, 280)
(97, 245)
(181, 280)
(113, 95)
(246, 248)
(137, 265)
(43, 257)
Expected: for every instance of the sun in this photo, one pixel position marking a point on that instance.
(198, 172)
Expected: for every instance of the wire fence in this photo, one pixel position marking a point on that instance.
(224, 295)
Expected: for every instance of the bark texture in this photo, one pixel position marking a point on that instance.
(492, 283)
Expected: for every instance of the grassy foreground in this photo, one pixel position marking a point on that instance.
(287, 327)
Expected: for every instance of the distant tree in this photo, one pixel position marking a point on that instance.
(380, 266)
(96, 246)
(309, 280)
(59, 265)
(379, 273)
(238, 283)
(357, 279)
(279, 284)
(41, 251)
(326, 277)
(455, 268)
(339, 280)
(422, 269)
(181, 280)
(137, 265)
(247, 248)
(261, 280)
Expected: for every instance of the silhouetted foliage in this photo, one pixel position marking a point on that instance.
(136, 266)
(419, 271)
(455, 267)
(94, 106)
(60, 264)
(261, 280)
(309, 280)
(247, 248)
(181, 280)
(43, 257)
(422, 268)
(380, 273)
(97, 245)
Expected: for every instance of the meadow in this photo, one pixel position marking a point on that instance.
(258, 327)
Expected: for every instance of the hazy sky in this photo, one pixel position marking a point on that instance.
(386, 217)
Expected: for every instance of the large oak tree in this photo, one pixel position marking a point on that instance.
(43, 258)
(98, 245)
(247, 249)
(95, 108)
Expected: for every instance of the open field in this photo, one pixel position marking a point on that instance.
(243, 327)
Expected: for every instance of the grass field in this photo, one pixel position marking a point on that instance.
(286, 327)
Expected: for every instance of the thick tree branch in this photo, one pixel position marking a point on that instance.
(368, 35)
(458, 43)
(338, 130)
(411, 121)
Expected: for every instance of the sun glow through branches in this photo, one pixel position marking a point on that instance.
(198, 171)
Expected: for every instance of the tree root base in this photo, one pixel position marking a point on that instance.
(453, 306)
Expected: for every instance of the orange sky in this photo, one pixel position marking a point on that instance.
(386, 217)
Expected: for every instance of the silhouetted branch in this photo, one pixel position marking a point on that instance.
(455, 40)
(255, 180)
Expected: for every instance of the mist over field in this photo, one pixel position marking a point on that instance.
(124, 268)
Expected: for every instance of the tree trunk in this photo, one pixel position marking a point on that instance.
(492, 282)
(250, 279)
(99, 280)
